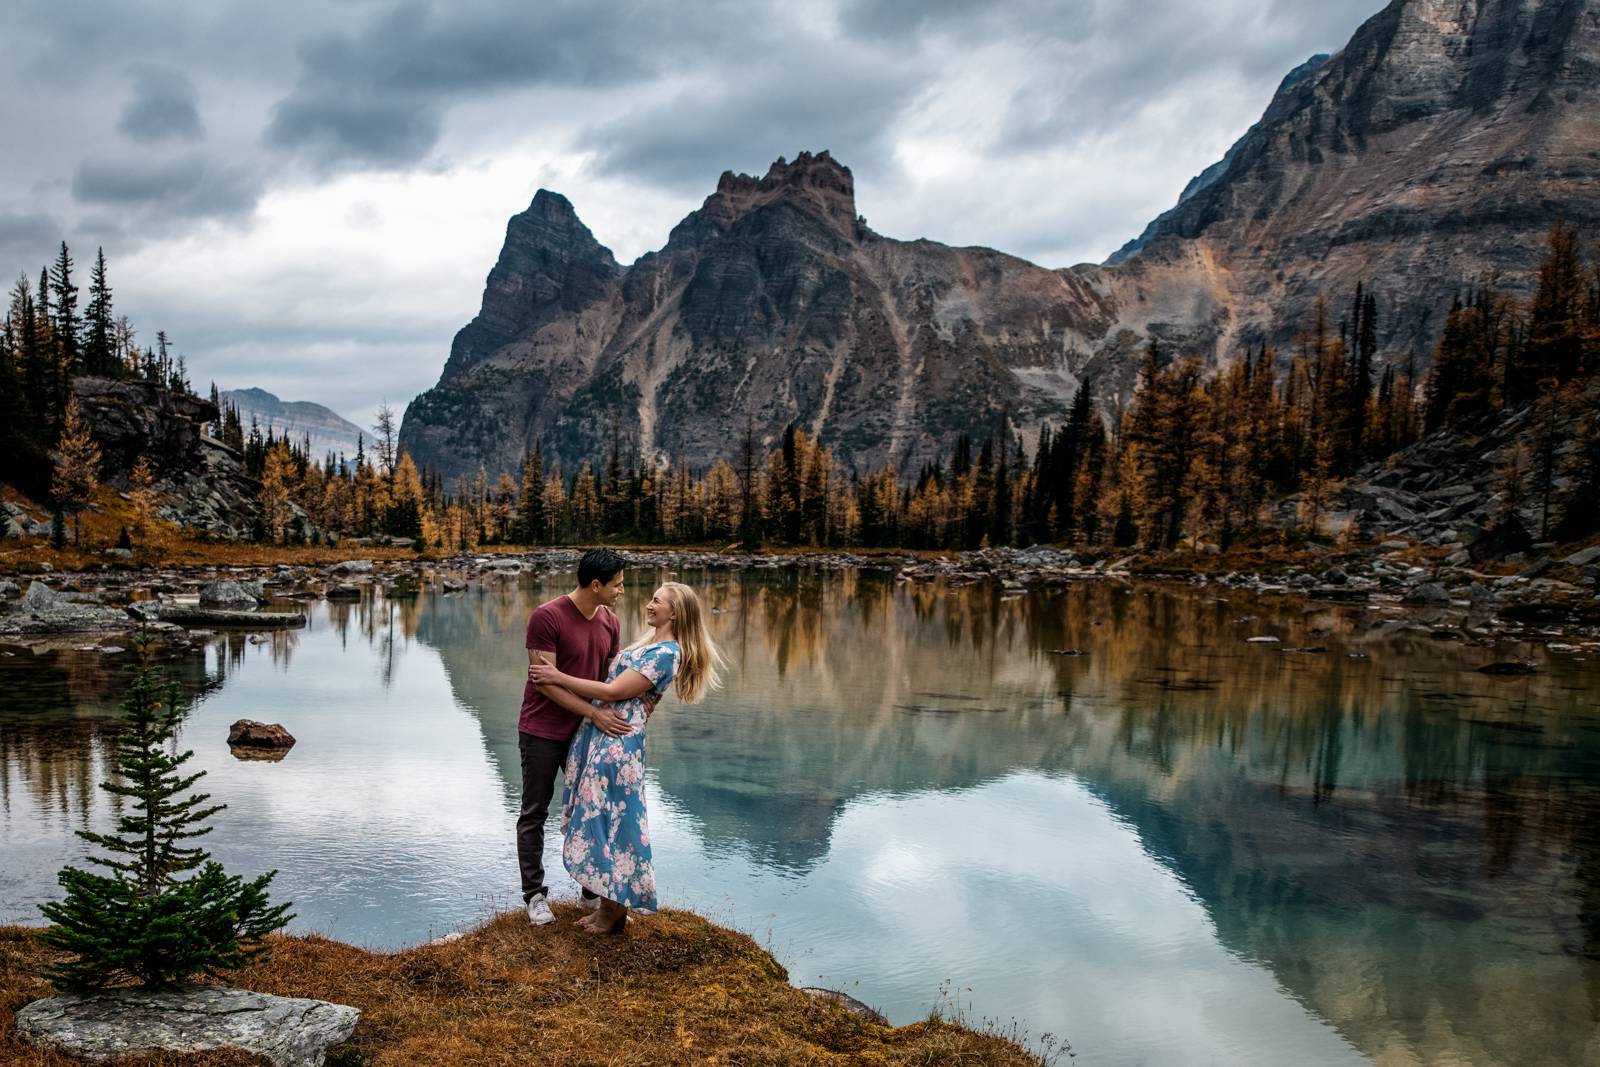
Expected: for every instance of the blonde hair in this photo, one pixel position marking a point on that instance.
(699, 662)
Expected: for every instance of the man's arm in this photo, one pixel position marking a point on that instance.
(606, 719)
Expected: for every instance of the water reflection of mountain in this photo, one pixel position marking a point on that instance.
(1393, 835)
(803, 724)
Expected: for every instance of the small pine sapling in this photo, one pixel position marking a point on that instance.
(141, 922)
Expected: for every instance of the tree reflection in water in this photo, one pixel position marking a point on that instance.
(1411, 847)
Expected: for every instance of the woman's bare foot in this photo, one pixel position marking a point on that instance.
(609, 918)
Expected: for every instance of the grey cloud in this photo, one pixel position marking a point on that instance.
(756, 115)
(25, 240)
(163, 108)
(1138, 55)
(375, 98)
(971, 22)
(190, 187)
(335, 129)
(1096, 63)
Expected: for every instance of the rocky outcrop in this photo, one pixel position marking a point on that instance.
(1435, 149)
(1448, 488)
(200, 482)
(118, 1023)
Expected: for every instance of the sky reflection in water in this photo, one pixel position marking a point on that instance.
(1176, 849)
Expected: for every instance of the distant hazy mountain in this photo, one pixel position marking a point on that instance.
(292, 418)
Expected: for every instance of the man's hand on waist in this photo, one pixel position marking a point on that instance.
(608, 721)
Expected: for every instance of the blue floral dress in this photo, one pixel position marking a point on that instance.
(607, 836)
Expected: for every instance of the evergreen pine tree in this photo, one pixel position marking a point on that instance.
(141, 921)
(99, 328)
(66, 309)
(749, 503)
(1126, 532)
(531, 521)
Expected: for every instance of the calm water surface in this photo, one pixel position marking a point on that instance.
(1177, 849)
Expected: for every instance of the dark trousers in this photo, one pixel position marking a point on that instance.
(542, 759)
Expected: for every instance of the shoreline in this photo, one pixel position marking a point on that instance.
(675, 989)
(1546, 599)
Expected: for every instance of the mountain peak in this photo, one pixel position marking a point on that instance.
(818, 184)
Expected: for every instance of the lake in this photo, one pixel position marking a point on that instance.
(1177, 848)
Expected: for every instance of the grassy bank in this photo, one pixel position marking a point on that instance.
(675, 990)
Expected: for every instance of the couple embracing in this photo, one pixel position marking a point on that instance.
(584, 710)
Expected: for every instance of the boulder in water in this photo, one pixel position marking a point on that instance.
(247, 733)
(230, 594)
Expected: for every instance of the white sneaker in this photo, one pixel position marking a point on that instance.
(539, 911)
(589, 903)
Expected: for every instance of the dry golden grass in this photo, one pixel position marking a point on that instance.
(675, 989)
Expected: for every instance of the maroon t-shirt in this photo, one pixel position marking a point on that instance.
(583, 648)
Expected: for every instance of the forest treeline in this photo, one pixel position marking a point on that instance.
(1195, 455)
(48, 337)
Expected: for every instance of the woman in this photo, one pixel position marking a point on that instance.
(607, 837)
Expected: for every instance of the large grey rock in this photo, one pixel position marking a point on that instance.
(352, 566)
(1428, 593)
(40, 597)
(229, 593)
(285, 1031)
(1583, 557)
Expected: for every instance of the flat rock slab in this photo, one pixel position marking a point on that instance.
(42, 610)
(287, 1032)
(190, 615)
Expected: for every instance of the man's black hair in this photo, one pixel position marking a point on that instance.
(598, 564)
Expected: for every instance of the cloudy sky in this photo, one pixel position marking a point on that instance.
(307, 196)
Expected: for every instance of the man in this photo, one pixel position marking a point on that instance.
(578, 632)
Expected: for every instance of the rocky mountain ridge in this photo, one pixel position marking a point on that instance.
(1429, 154)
